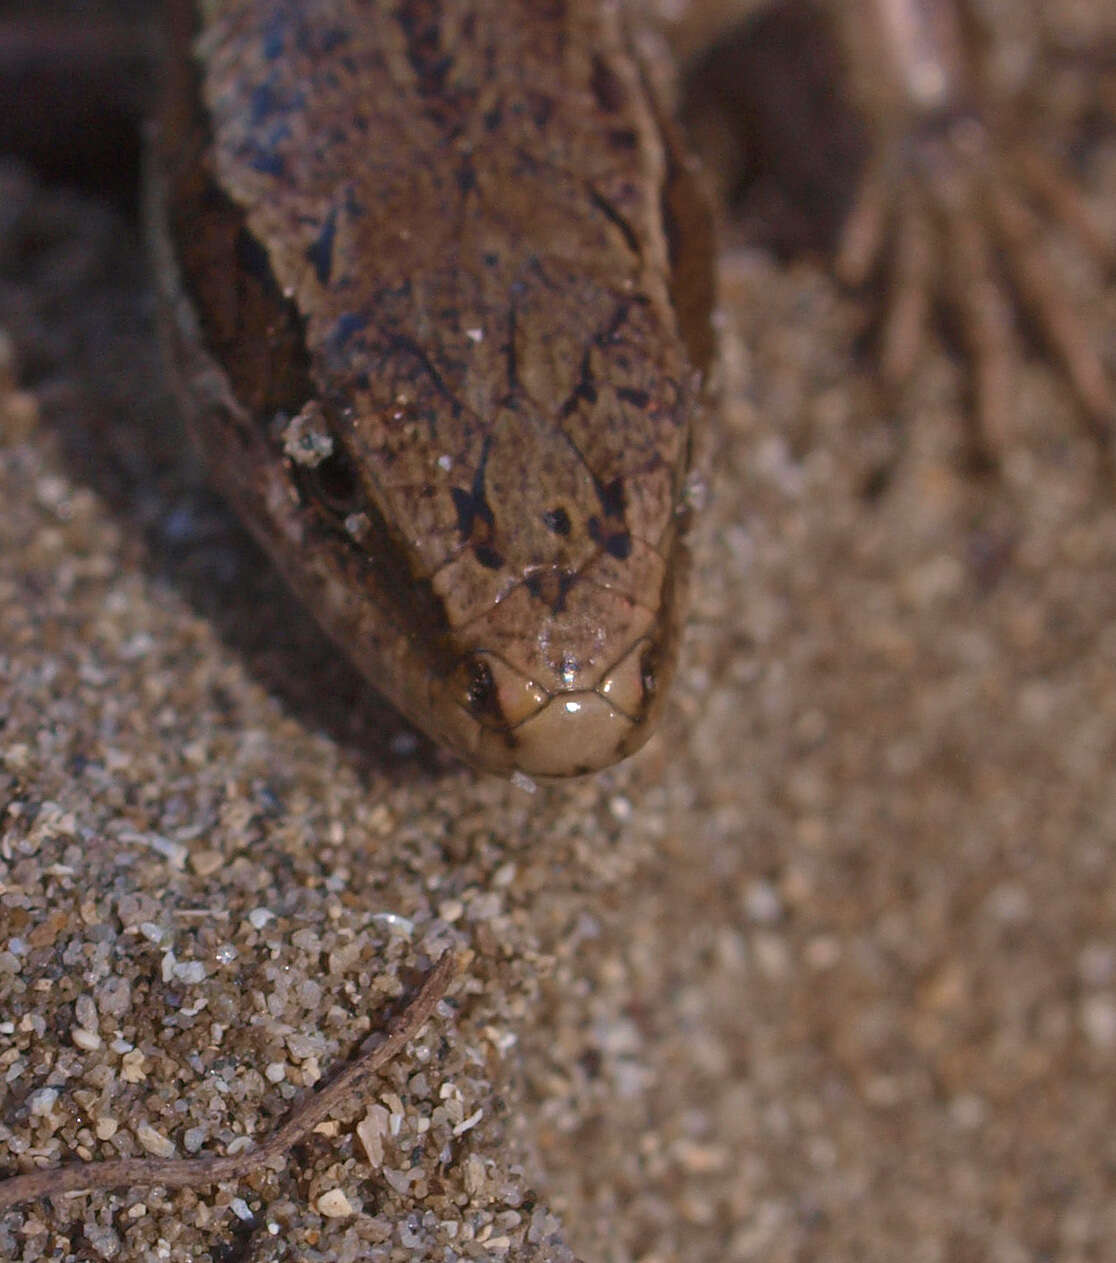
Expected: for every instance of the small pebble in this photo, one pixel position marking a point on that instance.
(334, 1204)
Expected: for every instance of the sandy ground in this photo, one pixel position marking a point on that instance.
(828, 972)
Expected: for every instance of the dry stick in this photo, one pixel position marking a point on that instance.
(194, 1172)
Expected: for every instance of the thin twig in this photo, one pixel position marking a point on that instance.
(195, 1172)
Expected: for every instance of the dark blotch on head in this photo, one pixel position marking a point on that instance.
(541, 108)
(268, 162)
(557, 521)
(320, 253)
(346, 328)
(472, 512)
(550, 585)
(333, 38)
(610, 530)
(421, 23)
(617, 543)
(275, 36)
(463, 503)
(489, 558)
(354, 208)
(606, 87)
(475, 520)
(630, 394)
(613, 500)
(265, 102)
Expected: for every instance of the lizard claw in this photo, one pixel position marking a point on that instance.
(960, 198)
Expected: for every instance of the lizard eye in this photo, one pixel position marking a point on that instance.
(334, 484)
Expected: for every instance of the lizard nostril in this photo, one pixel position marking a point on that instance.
(481, 689)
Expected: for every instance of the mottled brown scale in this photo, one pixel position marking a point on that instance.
(438, 280)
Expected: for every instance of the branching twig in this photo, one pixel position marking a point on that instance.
(195, 1172)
